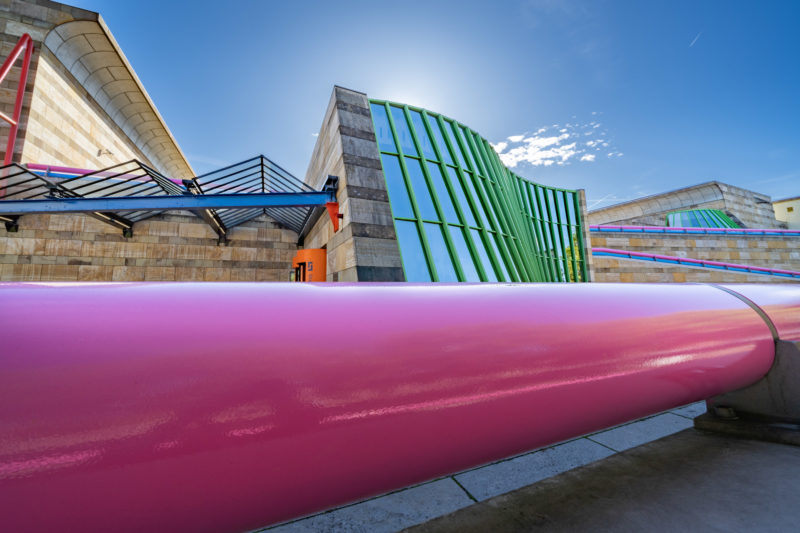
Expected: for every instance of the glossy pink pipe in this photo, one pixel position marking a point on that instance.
(230, 406)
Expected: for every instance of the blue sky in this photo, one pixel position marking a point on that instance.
(621, 98)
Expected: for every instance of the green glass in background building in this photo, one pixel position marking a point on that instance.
(700, 218)
(461, 215)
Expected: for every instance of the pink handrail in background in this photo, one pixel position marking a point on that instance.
(78, 172)
(625, 254)
(25, 43)
(272, 401)
(679, 230)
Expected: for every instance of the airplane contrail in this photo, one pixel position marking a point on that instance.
(695, 39)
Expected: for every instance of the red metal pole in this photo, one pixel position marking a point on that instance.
(27, 42)
(227, 407)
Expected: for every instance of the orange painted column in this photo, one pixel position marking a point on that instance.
(312, 263)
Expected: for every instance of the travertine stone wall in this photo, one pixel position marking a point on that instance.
(36, 18)
(65, 127)
(752, 209)
(170, 247)
(764, 251)
(365, 247)
(611, 269)
(84, 105)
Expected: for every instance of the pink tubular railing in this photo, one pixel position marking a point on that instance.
(681, 230)
(702, 263)
(77, 172)
(227, 407)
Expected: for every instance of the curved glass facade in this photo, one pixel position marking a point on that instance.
(700, 218)
(461, 215)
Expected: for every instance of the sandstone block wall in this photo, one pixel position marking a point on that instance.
(84, 105)
(65, 127)
(365, 247)
(168, 247)
(36, 18)
(764, 251)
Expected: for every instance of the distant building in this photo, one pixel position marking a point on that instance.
(748, 208)
(730, 248)
(788, 211)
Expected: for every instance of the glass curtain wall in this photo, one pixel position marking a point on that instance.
(461, 215)
(700, 218)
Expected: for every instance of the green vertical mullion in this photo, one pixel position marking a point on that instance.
(513, 220)
(412, 197)
(519, 183)
(572, 245)
(544, 225)
(434, 196)
(519, 265)
(524, 199)
(535, 222)
(579, 217)
(550, 228)
(464, 177)
(451, 189)
(560, 228)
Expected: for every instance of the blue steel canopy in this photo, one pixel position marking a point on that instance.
(129, 192)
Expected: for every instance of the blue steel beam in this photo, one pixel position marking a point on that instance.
(162, 203)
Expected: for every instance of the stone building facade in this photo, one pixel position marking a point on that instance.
(751, 209)
(173, 247)
(365, 247)
(84, 105)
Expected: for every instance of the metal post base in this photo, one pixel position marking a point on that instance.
(767, 410)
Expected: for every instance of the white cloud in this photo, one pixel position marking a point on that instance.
(499, 147)
(555, 145)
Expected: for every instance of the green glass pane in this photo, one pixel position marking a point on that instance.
(441, 257)
(493, 241)
(422, 135)
(542, 204)
(464, 257)
(450, 130)
(403, 133)
(398, 195)
(442, 194)
(461, 196)
(382, 130)
(471, 157)
(414, 265)
(490, 212)
(481, 249)
(478, 203)
(437, 135)
(421, 192)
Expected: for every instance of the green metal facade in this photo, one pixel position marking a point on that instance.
(700, 218)
(461, 215)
